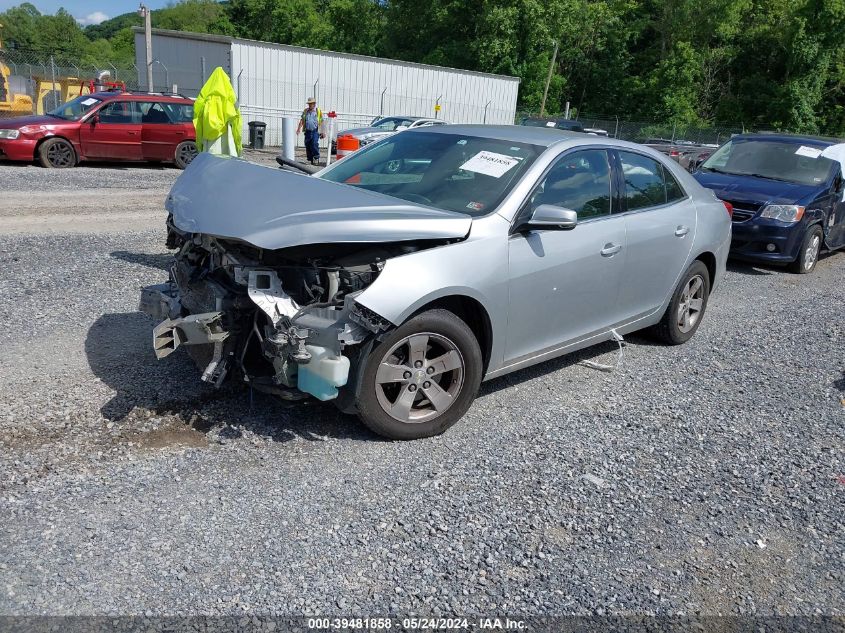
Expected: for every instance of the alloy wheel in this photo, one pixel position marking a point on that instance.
(420, 377)
(60, 154)
(691, 304)
(811, 253)
(187, 153)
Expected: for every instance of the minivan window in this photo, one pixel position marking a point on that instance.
(789, 161)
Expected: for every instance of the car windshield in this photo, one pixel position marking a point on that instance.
(75, 109)
(776, 160)
(455, 172)
(391, 123)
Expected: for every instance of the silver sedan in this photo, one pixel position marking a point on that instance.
(395, 281)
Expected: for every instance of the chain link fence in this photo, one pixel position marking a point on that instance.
(644, 131)
(34, 82)
(651, 131)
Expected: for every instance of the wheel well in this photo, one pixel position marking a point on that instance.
(473, 314)
(41, 142)
(709, 260)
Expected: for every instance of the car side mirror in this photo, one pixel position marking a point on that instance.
(549, 216)
(95, 119)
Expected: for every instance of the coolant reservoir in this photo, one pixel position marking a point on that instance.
(323, 374)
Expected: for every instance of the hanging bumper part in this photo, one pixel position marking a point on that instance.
(196, 329)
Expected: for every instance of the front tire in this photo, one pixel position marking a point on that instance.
(57, 153)
(686, 309)
(808, 254)
(422, 378)
(186, 151)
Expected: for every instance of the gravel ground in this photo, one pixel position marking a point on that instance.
(702, 479)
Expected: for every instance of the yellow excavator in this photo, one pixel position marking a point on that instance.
(11, 104)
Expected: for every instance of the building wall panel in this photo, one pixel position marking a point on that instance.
(181, 61)
(273, 81)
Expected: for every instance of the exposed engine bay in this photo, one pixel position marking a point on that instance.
(284, 321)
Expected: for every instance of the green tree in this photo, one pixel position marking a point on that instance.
(356, 26)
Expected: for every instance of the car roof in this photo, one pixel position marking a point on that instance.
(789, 138)
(140, 96)
(542, 136)
(402, 116)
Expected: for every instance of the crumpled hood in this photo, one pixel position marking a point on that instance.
(274, 208)
(757, 190)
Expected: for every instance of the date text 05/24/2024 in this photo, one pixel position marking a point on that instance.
(481, 624)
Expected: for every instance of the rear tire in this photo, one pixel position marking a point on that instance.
(422, 378)
(186, 151)
(57, 153)
(808, 253)
(686, 309)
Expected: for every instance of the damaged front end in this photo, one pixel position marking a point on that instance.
(268, 295)
(284, 321)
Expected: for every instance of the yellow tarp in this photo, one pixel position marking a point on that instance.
(215, 109)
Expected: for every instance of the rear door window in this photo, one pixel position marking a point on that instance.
(153, 112)
(645, 185)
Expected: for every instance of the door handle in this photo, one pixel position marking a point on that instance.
(610, 249)
(681, 231)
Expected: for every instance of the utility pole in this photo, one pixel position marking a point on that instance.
(145, 13)
(548, 81)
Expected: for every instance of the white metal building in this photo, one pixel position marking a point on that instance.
(273, 80)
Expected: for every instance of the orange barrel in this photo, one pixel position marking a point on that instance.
(346, 144)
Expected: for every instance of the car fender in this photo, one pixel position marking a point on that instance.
(67, 137)
(712, 236)
(476, 268)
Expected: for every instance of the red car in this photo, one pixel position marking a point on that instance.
(104, 126)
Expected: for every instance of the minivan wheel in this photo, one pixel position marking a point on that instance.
(808, 254)
(186, 151)
(56, 153)
(687, 307)
(421, 378)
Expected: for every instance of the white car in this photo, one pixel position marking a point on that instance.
(382, 127)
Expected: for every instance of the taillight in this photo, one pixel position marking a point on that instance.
(729, 208)
(674, 153)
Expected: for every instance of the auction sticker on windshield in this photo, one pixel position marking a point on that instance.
(89, 102)
(810, 152)
(490, 164)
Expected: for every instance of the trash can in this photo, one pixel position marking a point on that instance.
(256, 134)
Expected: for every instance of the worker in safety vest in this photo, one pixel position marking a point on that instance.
(312, 122)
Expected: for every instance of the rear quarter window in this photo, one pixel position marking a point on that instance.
(674, 191)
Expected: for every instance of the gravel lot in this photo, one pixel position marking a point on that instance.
(700, 479)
